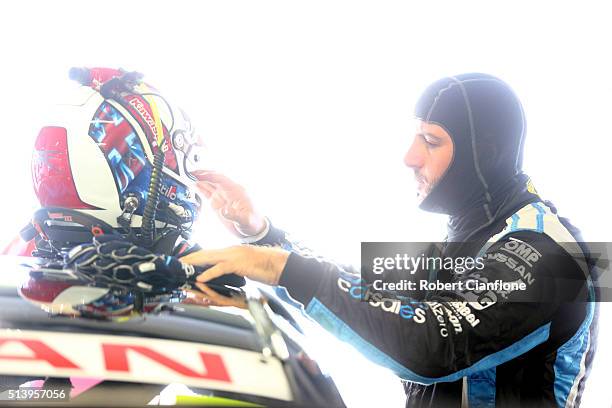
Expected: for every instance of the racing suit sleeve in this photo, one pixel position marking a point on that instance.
(273, 236)
(452, 333)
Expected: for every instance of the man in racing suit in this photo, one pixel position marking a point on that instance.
(530, 347)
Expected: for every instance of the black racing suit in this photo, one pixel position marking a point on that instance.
(529, 347)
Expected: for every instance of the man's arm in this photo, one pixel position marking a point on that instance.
(451, 334)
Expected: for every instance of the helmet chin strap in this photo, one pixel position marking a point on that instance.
(150, 210)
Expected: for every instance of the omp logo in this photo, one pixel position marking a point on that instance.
(413, 310)
(140, 108)
(524, 251)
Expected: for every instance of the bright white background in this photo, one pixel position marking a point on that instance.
(309, 104)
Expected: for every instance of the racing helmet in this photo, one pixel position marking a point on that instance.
(119, 153)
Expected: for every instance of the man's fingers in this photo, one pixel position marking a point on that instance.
(213, 177)
(217, 204)
(230, 213)
(205, 257)
(220, 196)
(212, 295)
(206, 188)
(216, 182)
(212, 190)
(196, 298)
(217, 299)
(214, 272)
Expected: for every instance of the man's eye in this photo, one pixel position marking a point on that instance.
(431, 141)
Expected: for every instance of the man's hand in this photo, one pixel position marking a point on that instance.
(262, 264)
(231, 203)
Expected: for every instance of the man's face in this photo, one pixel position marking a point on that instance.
(429, 156)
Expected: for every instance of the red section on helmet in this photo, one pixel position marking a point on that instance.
(51, 174)
(43, 290)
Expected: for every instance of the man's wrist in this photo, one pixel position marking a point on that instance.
(278, 262)
(249, 239)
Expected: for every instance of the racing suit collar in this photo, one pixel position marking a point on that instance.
(505, 200)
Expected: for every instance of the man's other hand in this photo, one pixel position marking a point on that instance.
(205, 296)
(231, 203)
(262, 264)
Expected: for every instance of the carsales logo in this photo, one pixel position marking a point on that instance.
(413, 310)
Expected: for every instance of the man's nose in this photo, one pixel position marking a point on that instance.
(414, 157)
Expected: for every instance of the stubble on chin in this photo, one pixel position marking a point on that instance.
(424, 187)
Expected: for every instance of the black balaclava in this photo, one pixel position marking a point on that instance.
(485, 121)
